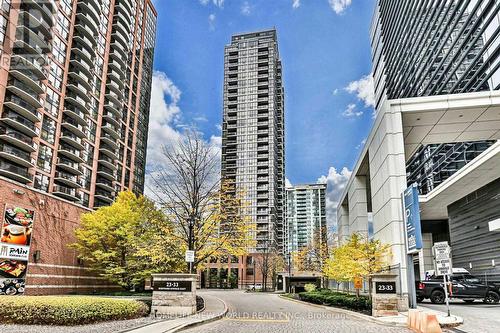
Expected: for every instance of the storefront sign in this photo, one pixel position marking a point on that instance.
(385, 287)
(412, 220)
(15, 240)
(172, 285)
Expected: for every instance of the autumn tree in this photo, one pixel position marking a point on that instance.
(207, 212)
(312, 256)
(358, 257)
(269, 261)
(126, 242)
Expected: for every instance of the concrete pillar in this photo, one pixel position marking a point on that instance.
(388, 181)
(358, 213)
(343, 223)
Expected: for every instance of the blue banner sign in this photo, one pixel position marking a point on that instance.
(412, 220)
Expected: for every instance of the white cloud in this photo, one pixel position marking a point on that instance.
(335, 92)
(338, 6)
(336, 183)
(246, 9)
(361, 144)
(218, 3)
(211, 22)
(364, 89)
(164, 112)
(288, 183)
(296, 4)
(201, 118)
(165, 127)
(351, 112)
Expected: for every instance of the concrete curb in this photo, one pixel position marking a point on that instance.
(201, 321)
(347, 312)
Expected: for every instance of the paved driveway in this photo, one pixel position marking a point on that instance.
(260, 312)
(478, 317)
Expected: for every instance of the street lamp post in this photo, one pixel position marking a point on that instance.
(289, 273)
(191, 241)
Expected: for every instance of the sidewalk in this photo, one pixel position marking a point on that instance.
(400, 320)
(215, 308)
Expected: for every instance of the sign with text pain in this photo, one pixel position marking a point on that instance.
(15, 241)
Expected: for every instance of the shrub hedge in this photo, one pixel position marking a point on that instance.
(67, 310)
(341, 300)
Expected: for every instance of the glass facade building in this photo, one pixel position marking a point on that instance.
(75, 81)
(426, 48)
(305, 216)
(253, 131)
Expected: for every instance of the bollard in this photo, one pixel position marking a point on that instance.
(429, 323)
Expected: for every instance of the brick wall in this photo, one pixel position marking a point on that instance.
(58, 270)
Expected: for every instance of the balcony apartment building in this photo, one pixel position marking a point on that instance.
(75, 82)
(305, 217)
(253, 144)
(436, 72)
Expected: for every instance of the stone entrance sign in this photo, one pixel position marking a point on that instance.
(386, 298)
(174, 294)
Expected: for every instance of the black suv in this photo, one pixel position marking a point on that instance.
(463, 286)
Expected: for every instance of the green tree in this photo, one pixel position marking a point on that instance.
(127, 241)
(358, 257)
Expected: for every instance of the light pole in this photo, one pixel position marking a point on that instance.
(289, 285)
(191, 241)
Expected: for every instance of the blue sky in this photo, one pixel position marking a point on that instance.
(325, 50)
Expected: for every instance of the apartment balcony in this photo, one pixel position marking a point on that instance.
(21, 107)
(82, 64)
(79, 90)
(111, 153)
(120, 39)
(30, 81)
(70, 153)
(111, 130)
(67, 179)
(105, 184)
(115, 108)
(68, 165)
(35, 20)
(16, 155)
(76, 114)
(109, 140)
(30, 63)
(14, 172)
(76, 100)
(71, 139)
(85, 31)
(111, 118)
(26, 92)
(83, 54)
(46, 8)
(113, 97)
(117, 77)
(107, 197)
(18, 139)
(88, 20)
(119, 47)
(35, 41)
(67, 193)
(117, 67)
(107, 173)
(80, 77)
(20, 123)
(106, 161)
(121, 7)
(116, 56)
(120, 22)
(89, 7)
(74, 126)
(116, 88)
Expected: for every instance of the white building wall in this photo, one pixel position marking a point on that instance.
(388, 180)
(343, 223)
(358, 214)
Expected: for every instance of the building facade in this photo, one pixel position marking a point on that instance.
(253, 131)
(305, 217)
(253, 147)
(436, 77)
(75, 82)
(74, 88)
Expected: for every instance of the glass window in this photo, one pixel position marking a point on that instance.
(48, 129)
(45, 158)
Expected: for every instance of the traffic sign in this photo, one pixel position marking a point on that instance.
(442, 258)
(189, 256)
(358, 283)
